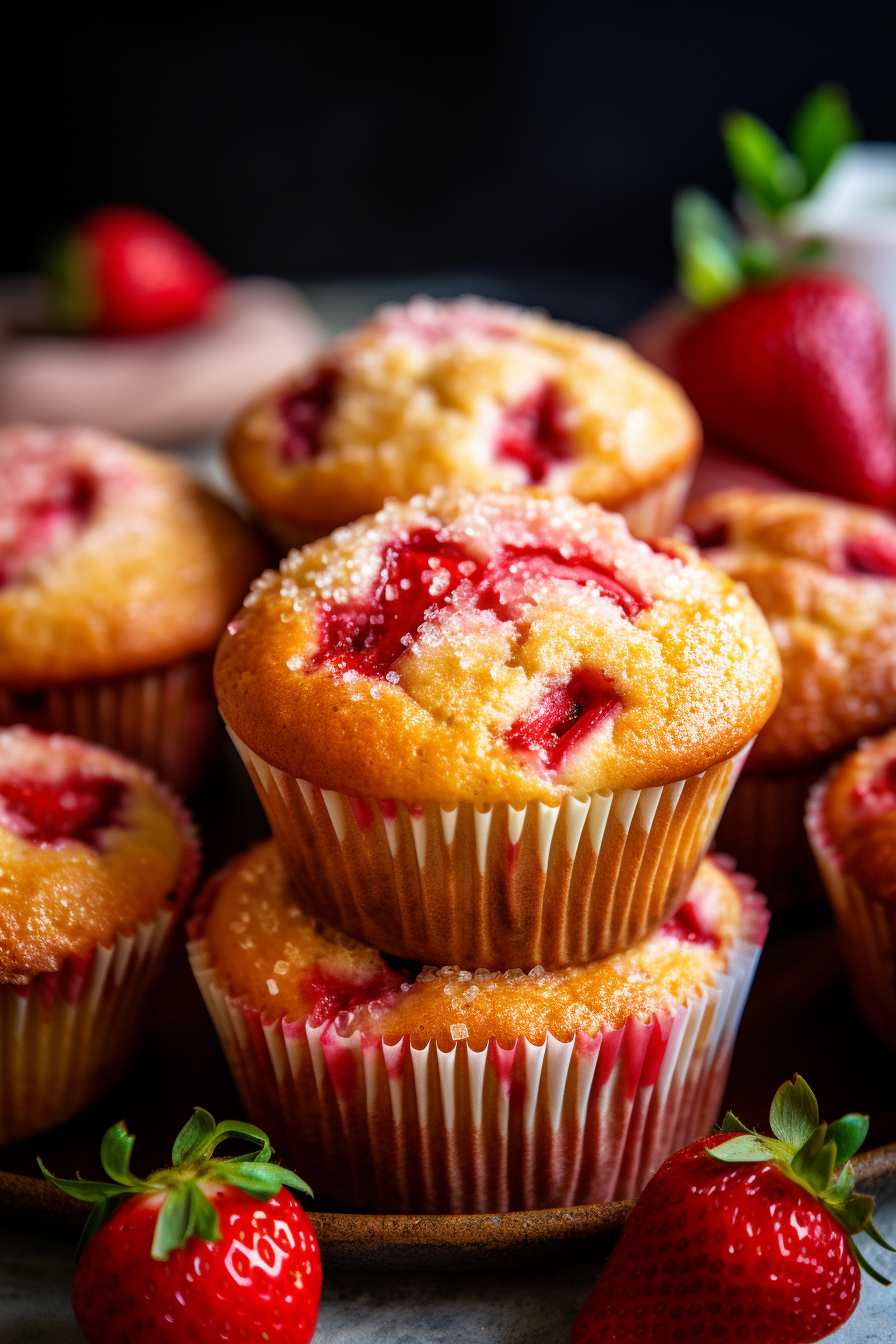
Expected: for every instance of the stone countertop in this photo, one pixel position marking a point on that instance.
(511, 1307)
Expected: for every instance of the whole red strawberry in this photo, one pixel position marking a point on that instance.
(796, 373)
(126, 271)
(211, 1249)
(740, 1236)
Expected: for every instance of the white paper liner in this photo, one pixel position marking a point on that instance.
(498, 886)
(656, 511)
(866, 927)
(65, 1037)
(397, 1128)
(762, 826)
(165, 717)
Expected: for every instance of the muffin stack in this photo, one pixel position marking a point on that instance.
(493, 735)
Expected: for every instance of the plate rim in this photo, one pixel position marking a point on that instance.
(52, 1210)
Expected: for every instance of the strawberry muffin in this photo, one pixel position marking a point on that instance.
(824, 573)
(472, 394)
(495, 729)
(96, 862)
(427, 1089)
(118, 574)
(851, 824)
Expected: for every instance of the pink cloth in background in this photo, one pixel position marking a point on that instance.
(172, 388)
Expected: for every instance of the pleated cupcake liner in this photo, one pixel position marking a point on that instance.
(417, 1129)
(496, 886)
(165, 717)
(866, 926)
(66, 1036)
(763, 828)
(656, 511)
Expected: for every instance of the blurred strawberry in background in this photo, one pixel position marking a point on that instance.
(126, 271)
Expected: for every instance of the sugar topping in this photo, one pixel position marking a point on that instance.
(517, 558)
(467, 319)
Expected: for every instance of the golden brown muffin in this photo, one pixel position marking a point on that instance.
(89, 847)
(97, 860)
(472, 1091)
(472, 394)
(112, 558)
(494, 648)
(859, 815)
(118, 574)
(823, 573)
(851, 824)
(495, 729)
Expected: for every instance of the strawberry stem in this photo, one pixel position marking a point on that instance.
(186, 1210)
(809, 1152)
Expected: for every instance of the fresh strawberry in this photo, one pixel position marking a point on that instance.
(796, 374)
(211, 1249)
(124, 271)
(740, 1236)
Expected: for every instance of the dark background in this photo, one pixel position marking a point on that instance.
(539, 142)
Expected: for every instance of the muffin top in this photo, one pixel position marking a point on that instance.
(495, 647)
(465, 393)
(111, 557)
(90, 846)
(859, 815)
(824, 573)
(273, 957)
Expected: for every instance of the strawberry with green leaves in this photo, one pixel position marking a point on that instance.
(742, 1236)
(788, 365)
(212, 1248)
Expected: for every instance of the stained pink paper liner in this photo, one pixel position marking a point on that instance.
(166, 717)
(866, 926)
(424, 1130)
(495, 886)
(66, 1036)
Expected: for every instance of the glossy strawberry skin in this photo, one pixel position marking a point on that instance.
(260, 1281)
(723, 1252)
(138, 273)
(796, 374)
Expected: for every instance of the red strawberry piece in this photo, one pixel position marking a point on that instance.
(870, 555)
(565, 714)
(534, 434)
(74, 807)
(796, 374)
(742, 1237)
(303, 412)
(124, 271)
(211, 1249)
(422, 573)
